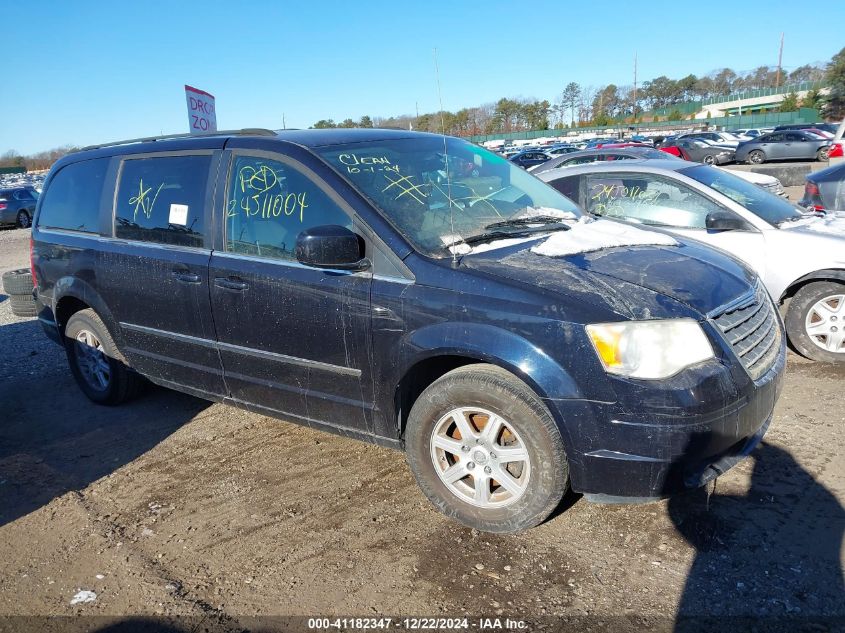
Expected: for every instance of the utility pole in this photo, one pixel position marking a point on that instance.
(780, 60)
(635, 88)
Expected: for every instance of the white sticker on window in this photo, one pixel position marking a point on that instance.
(178, 214)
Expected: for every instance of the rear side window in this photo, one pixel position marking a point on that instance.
(568, 186)
(72, 199)
(162, 199)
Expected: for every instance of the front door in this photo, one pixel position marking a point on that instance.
(294, 339)
(774, 146)
(799, 146)
(153, 274)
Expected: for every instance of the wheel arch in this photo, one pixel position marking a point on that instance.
(71, 295)
(431, 356)
(827, 274)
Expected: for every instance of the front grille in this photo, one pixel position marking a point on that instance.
(752, 330)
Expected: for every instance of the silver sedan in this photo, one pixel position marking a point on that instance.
(800, 258)
(783, 146)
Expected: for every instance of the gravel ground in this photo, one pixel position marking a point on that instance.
(172, 506)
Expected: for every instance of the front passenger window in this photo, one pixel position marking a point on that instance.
(648, 199)
(269, 203)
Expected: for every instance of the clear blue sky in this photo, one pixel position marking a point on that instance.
(87, 72)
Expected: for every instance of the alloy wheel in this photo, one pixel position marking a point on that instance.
(480, 457)
(92, 361)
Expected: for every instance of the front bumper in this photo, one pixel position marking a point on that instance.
(657, 442)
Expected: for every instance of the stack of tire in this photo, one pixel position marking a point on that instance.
(18, 285)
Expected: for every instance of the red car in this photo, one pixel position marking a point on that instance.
(675, 151)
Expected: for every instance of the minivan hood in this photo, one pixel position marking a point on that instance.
(695, 275)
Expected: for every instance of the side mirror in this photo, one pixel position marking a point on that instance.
(724, 221)
(331, 246)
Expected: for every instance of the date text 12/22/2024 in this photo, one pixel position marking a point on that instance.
(416, 624)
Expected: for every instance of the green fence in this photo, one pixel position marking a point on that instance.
(12, 170)
(804, 115)
(689, 107)
(765, 92)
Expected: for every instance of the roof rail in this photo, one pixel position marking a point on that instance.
(249, 131)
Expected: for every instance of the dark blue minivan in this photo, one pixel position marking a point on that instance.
(416, 291)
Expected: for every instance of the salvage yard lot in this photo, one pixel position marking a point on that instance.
(172, 505)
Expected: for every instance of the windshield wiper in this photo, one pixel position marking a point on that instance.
(524, 221)
(489, 236)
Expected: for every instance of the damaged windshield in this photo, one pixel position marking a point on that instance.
(441, 192)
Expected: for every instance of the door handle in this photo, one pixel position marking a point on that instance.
(230, 283)
(186, 277)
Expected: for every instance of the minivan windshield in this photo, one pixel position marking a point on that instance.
(769, 207)
(441, 191)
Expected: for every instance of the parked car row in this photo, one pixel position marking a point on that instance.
(710, 148)
(769, 183)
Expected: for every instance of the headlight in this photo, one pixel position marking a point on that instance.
(649, 349)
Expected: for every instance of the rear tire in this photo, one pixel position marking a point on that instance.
(709, 160)
(97, 365)
(457, 470)
(815, 321)
(756, 157)
(823, 154)
(23, 220)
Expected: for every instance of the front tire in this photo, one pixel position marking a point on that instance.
(815, 321)
(486, 451)
(97, 365)
(756, 157)
(709, 160)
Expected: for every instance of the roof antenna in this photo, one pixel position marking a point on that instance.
(445, 157)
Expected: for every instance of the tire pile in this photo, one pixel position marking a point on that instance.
(18, 285)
